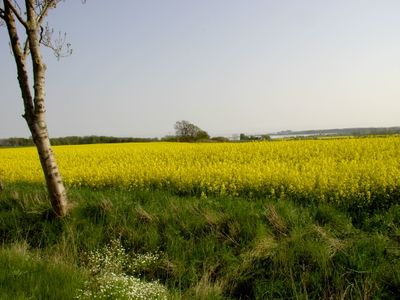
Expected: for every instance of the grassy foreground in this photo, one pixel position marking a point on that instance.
(199, 247)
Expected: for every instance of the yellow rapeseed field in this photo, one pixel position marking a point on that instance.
(331, 169)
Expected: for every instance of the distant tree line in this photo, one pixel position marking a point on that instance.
(185, 131)
(346, 131)
(93, 139)
(16, 142)
(74, 140)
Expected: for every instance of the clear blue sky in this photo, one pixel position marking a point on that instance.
(229, 66)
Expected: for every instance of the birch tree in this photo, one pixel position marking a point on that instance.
(24, 21)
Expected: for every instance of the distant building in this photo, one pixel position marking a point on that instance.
(235, 137)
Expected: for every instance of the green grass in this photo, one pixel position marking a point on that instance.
(213, 248)
(24, 275)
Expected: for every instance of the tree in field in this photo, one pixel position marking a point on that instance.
(24, 22)
(186, 131)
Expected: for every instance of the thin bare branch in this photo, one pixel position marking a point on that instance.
(17, 12)
(59, 45)
(17, 6)
(44, 9)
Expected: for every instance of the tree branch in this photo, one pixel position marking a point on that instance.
(2, 18)
(38, 66)
(2, 14)
(16, 12)
(60, 46)
(49, 4)
(43, 12)
(19, 60)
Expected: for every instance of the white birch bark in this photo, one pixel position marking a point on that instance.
(34, 101)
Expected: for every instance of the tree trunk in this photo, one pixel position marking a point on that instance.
(37, 124)
(55, 186)
(34, 105)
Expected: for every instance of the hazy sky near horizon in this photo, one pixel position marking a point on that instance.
(229, 66)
